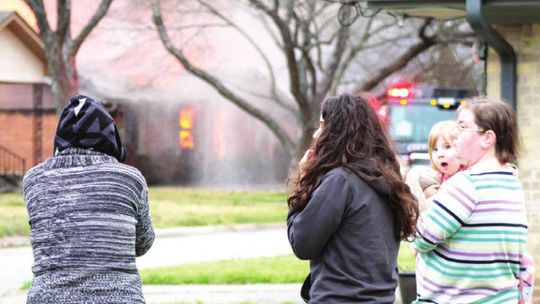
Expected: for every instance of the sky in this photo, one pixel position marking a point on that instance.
(123, 54)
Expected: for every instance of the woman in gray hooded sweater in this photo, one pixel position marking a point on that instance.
(88, 213)
(349, 207)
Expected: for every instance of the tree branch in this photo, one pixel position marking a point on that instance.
(44, 28)
(271, 73)
(424, 44)
(350, 56)
(306, 49)
(98, 15)
(256, 94)
(337, 55)
(270, 32)
(288, 48)
(285, 140)
(63, 20)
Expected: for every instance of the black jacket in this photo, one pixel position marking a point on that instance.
(347, 232)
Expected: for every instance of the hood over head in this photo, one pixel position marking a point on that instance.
(86, 123)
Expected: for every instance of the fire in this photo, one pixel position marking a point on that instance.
(186, 120)
(186, 140)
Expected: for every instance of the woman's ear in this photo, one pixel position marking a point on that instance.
(490, 139)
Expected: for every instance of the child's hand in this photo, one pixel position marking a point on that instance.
(431, 190)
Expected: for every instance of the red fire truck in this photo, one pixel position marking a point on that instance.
(411, 111)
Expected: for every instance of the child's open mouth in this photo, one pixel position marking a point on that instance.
(444, 164)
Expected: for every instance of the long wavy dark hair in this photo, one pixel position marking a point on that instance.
(352, 137)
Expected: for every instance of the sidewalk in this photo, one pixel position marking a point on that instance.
(258, 293)
(207, 294)
(177, 246)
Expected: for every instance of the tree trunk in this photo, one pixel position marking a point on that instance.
(66, 85)
(64, 71)
(61, 48)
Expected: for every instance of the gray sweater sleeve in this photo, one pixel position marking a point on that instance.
(310, 229)
(144, 231)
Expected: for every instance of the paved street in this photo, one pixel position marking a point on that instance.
(173, 247)
(218, 294)
(181, 246)
(16, 264)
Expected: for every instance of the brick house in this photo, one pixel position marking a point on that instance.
(27, 114)
(511, 29)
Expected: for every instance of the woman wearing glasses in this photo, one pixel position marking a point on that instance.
(472, 239)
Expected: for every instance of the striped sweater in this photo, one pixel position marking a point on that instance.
(471, 240)
(89, 218)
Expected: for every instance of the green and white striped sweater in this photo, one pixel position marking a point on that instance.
(472, 239)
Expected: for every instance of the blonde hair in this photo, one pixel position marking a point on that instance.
(447, 129)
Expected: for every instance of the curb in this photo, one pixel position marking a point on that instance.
(201, 230)
(24, 241)
(14, 241)
(250, 293)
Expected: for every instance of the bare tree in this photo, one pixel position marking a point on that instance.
(61, 48)
(318, 54)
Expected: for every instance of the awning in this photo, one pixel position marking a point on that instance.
(495, 11)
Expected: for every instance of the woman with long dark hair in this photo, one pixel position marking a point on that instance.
(349, 207)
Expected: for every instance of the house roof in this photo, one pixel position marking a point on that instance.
(4, 15)
(24, 32)
(495, 11)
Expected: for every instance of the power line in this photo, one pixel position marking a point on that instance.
(350, 10)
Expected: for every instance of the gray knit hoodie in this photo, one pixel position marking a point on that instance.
(89, 218)
(347, 232)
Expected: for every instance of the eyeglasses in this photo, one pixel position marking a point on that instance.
(462, 129)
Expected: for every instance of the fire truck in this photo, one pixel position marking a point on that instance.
(410, 112)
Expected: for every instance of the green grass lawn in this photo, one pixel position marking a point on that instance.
(173, 207)
(406, 258)
(13, 217)
(276, 270)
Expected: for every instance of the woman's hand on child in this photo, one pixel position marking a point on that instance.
(431, 190)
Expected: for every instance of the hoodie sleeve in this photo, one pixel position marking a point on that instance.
(310, 229)
(450, 208)
(144, 231)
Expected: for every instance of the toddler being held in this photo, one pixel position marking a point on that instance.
(425, 182)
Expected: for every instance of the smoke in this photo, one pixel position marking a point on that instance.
(123, 61)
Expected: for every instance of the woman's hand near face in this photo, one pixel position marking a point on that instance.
(309, 152)
(307, 155)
